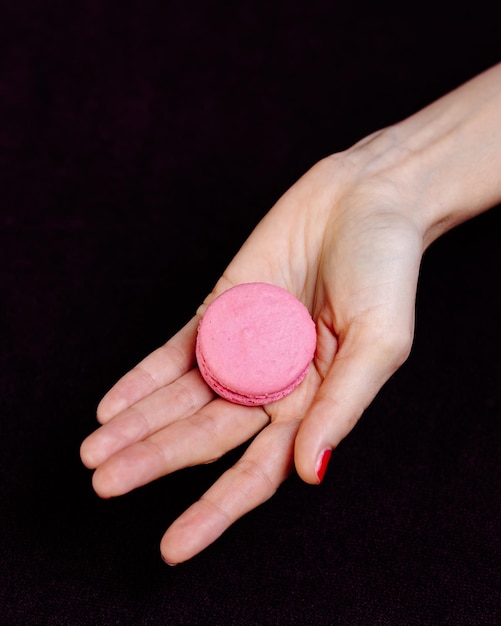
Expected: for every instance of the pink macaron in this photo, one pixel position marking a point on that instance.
(255, 343)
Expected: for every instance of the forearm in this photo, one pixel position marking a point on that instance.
(447, 157)
(456, 143)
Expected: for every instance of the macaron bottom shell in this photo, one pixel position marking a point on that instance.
(245, 400)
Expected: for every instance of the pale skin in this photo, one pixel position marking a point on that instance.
(347, 239)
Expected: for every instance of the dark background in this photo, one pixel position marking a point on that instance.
(140, 142)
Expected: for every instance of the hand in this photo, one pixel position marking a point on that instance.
(346, 239)
(343, 241)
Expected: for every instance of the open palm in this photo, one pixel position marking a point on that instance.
(345, 247)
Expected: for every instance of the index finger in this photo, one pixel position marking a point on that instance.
(163, 366)
(266, 463)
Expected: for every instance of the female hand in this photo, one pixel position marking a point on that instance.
(347, 240)
(347, 250)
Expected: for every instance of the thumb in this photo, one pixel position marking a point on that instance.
(362, 365)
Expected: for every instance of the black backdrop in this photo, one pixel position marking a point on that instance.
(140, 142)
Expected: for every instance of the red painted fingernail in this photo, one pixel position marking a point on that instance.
(322, 463)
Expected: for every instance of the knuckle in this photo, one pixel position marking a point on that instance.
(214, 508)
(183, 396)
(256, 476)
(173, 353)
(153, 449)
(395, 345)
(140, 422)
(208, 428)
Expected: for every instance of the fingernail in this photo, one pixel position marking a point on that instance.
(322, 463)
(167, 562)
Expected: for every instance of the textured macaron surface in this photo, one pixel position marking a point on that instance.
(255, 342)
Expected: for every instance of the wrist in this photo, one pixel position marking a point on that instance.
(441, 165)
(448, 155)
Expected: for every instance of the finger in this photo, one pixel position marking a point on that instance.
(253, 480)
(199, 438)
(160, 368)
(360, 368)
(176, 401)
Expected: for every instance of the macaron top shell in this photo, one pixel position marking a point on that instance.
(255, 340)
